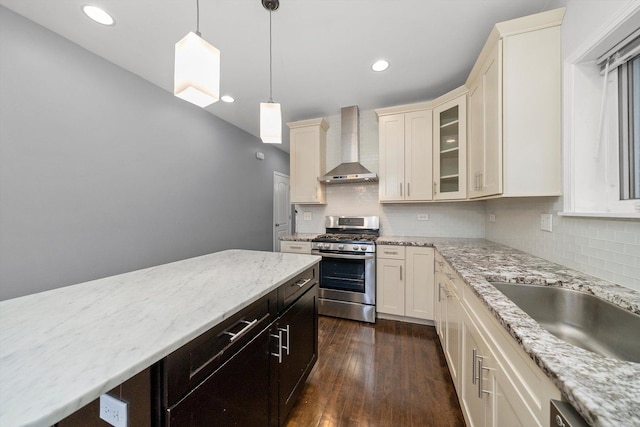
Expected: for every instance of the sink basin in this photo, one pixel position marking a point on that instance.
(579, 318)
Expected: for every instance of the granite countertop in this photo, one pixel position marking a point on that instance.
(61, 349)
(299, 237)
(605, 391)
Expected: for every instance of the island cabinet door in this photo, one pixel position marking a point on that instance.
(294, 350)
(236, 394)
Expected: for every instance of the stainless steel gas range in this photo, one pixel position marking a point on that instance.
(348, 267)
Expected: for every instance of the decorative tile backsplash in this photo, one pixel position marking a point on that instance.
(462, 219)
(606, 248)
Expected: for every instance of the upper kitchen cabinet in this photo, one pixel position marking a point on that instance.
(405, 136)
(307, 160)
(514, 112)
(450, 147)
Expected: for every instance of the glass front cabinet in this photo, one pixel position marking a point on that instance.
(450, 150)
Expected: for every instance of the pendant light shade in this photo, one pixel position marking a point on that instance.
(270, 123)
(197, 71)
(270, 113)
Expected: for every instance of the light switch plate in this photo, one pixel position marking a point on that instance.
(546, 222)
(308, 216)
(423, 217)
(113, 411)
(492, 217)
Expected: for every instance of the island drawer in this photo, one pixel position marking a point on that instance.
(296, 287)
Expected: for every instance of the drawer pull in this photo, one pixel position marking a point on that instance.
(295, 247)
(241, 332)
(286, 330)
(279, 338)
(300, 283)
(387, 252)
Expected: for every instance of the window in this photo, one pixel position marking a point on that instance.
(629, 116)
(601, 97)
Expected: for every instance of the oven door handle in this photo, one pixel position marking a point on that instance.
(343, 256)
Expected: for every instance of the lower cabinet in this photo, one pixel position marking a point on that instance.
(448, 324)
(497, 383)
(404, 281)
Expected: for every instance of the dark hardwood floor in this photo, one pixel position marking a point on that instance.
(387, 374)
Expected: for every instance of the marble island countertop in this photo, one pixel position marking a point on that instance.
(605, 391)
(61, 349)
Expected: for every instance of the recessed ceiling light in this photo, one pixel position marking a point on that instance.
(97, 14)
(380, 65)
(227, 98)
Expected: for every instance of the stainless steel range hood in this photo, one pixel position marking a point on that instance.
(350, 170)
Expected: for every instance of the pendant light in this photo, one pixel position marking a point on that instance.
(270, 113)
(197, 68)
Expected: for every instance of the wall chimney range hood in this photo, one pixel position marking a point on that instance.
(350, 171)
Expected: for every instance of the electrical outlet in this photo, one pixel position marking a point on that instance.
(423, 217)
(546, 222)
(308, 216)
(113, 411)
(492, 217)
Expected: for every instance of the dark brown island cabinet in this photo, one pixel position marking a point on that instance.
(247, 371)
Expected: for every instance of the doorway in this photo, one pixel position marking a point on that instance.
(281, 208)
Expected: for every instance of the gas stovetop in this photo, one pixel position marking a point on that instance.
(346, 238)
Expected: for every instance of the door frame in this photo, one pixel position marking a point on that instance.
(273, 222)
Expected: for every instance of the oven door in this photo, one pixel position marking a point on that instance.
(346, 277)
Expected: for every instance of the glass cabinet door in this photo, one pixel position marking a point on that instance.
(450, 149)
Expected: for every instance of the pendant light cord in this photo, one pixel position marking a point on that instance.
(198, 18)
(270, 62)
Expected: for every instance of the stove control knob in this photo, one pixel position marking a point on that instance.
(356, 247)
(326, 245)
(340, 246)
(363, 248)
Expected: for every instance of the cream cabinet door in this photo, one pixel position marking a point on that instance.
(307, 161)
(419, 286)
(450, 150)
(453, 332)
(418, 156)
(510, 408)
(295, 247)
(390, 280)
(391, 143)
(485, 128)
(439, 305)
(476, 378)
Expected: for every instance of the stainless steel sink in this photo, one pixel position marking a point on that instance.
(579, 318)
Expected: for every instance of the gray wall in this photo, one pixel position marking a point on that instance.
(102, 172)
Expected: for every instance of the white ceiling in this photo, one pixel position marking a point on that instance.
(322, 49)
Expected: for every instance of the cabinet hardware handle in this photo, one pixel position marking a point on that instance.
(300, 283)
(295, 247)
(287, 332)
(241, 332)
(390, 252)
(450, 276)
(400, 189)
(408, 189)
(440, 294)
(480, 183)
(474, 355)
(400, 272)
(481, 389)
(279, 338)
(435, 187)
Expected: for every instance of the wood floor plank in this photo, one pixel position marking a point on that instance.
(382, 375)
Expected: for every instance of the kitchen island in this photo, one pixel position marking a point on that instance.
(61, 349)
